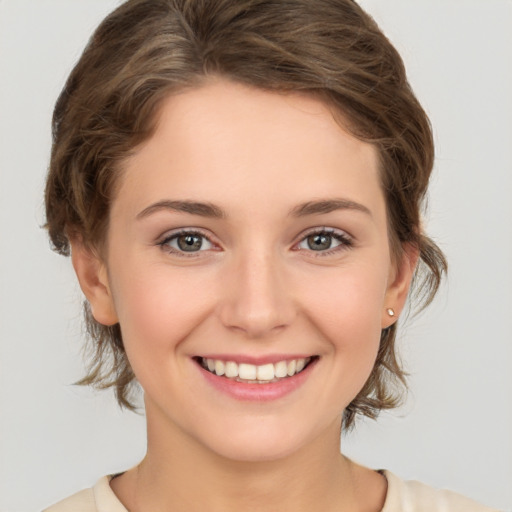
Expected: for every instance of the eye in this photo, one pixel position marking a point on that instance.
(325, 241)
(186, 241)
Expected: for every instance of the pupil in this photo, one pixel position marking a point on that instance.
(190, 242)
(319, 242)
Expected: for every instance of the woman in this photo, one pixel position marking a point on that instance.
(239, 185)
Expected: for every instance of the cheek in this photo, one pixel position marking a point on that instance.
(351, 301)
(349, 320)
(158, 308)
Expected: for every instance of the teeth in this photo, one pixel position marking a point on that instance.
(231, 369)
(292, 367)
(281, 369)
(247, 371)
(252, 373)
(265, 372)
(219, 367)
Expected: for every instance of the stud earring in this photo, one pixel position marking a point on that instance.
(390, 311)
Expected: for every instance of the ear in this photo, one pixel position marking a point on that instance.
(399, 283)
(93, 278)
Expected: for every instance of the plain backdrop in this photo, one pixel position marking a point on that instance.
(455, 430)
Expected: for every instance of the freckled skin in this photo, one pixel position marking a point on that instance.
(255, 287)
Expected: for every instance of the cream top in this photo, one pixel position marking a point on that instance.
(402, 496)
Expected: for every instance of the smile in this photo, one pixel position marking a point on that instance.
(255, 374)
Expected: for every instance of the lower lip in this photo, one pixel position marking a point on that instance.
(258, 392)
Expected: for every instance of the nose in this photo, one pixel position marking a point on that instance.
(256, 298)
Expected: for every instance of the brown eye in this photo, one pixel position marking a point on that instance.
(319, 241)
(326, 241)
(190, 243)
(186, 242)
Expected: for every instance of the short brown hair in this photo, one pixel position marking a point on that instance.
(147, 49)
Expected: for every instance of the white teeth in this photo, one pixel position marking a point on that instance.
(247, 371)
(231, 369)
(219, 367)
(256, 374)
(281, 369)
(265, 372)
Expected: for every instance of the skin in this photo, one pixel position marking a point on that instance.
(256, 287)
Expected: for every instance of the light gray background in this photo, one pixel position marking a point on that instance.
(455, 430)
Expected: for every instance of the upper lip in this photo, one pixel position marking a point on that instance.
(255, 360)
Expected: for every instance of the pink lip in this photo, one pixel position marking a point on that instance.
(257, 392)
(256, 360)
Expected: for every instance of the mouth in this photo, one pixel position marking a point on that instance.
(255, 374)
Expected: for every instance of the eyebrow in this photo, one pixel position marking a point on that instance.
(317, 207)
(326, 206)
(193, 207)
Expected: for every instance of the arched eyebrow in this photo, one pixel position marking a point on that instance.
(193, 207)
(317, 207)
(327, 206)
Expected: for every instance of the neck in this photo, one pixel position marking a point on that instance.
(179, 473)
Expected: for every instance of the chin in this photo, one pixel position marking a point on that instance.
(261, 443)
(255, 451)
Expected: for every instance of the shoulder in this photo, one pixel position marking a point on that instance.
(413, 496)
(82, 501)
(99, 498)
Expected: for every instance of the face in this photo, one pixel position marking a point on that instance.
(249, 267)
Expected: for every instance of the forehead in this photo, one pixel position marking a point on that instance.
(224, 142)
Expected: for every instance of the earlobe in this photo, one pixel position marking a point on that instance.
(93, 278)
(398, 287)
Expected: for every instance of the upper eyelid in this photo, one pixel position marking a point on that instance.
(326, 229)
(335, 232)
(168, 235)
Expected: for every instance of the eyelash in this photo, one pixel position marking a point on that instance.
(345, 240)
